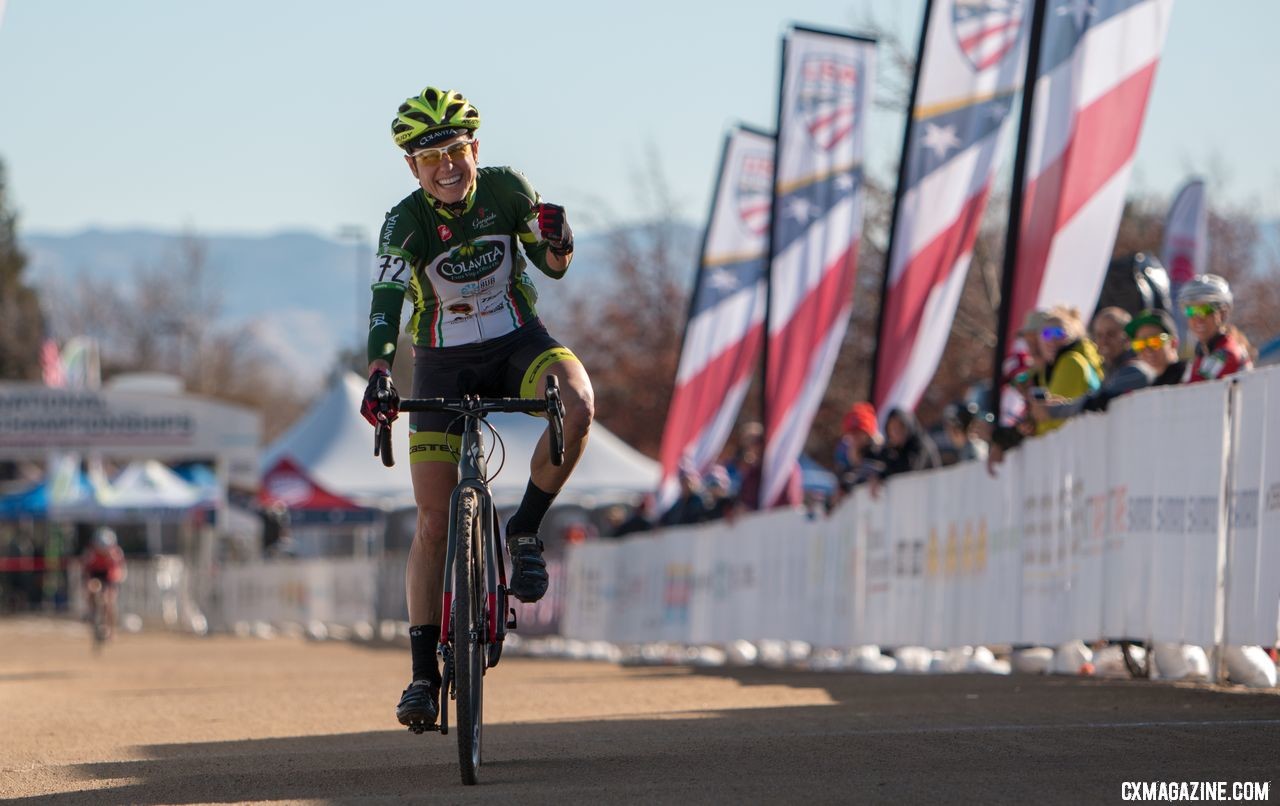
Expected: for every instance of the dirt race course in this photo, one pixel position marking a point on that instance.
(164, 718)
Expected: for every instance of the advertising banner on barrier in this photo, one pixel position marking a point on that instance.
(1110, 527)
(1253, 548)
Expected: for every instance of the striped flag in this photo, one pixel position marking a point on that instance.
(1097, 64)
(827, 83)
(80, 363)
(1185, 246)
(971, 65)
(725, 329)
(51, 364)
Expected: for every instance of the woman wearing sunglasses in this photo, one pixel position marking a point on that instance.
(1074, 368)
(1221, 349)
(458, 246)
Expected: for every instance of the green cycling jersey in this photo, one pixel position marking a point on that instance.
(462, 270)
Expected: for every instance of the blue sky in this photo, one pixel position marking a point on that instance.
(254, 117)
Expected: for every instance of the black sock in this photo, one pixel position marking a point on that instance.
(532, 509)
(423, 640)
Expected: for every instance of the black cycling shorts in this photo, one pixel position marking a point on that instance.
(508, 366)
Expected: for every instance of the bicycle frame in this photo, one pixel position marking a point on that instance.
(472, 471)
(487, 603)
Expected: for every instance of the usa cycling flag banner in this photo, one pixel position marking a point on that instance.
(827, 84)
(972, 62)
(725, 330)
(1097, 64)
(1185, 246)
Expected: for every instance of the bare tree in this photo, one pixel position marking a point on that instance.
(22, 325)
(167, 322)
(626, 326)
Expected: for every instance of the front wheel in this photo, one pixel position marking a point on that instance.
(468, 633)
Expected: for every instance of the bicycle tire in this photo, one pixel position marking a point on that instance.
(468, 632)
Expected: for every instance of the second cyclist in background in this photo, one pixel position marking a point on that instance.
(102, 568)
(453, 246)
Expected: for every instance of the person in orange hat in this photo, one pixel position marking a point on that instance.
(858, 454)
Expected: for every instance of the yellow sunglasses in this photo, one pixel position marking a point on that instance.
(1150, 343)
(454, 152)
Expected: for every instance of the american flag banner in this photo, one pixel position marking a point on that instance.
(827, 84)
(51, 372)
(971, 66)
(725, 330)
(1185, 246)
(1097, 64)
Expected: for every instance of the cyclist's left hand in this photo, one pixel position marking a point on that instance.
(555, 229)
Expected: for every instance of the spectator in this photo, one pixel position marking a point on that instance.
(1221, 349)
(1108, 331)
(691, 506)
(958, 419)
(1023, 370)
(1073, 366)
(857, 455)
(640, 520)
(720, 501)
(746, 468)
(907, 447)
(1125, 374)
(1155, 340)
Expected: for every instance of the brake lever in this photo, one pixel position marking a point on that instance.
(382, 443)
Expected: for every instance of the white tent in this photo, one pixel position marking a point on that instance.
(144, 490)
(334, 444)
(151, 485)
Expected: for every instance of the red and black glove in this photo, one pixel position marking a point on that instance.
(381, 400)
(555, 229)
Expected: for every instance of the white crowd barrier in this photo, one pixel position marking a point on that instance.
(330, 591)
(1159, 520)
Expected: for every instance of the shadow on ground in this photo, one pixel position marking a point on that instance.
(892, 738)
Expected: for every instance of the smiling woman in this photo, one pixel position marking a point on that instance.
(457, 247)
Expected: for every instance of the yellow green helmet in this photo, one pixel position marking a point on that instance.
(431, 117)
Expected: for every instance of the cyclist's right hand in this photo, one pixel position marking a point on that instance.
(381, 400)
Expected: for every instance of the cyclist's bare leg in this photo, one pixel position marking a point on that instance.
(579, 410)
(109, 609)
(92, 589)
(433, 484)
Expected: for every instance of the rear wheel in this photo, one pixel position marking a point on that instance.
(468, 632)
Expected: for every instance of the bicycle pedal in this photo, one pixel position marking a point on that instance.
(511, 620)
(419, 728)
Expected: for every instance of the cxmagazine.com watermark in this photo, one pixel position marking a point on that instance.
(1195, 790)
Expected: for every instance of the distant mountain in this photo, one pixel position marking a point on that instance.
(303, 296)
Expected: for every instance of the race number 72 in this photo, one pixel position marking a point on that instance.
(389, 269)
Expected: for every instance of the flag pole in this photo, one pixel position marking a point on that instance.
(768, 268)
(1014, 229)
(897, 197)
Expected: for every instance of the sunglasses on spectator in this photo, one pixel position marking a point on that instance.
(455, 152)
(1150, 343)
(1193, 311)
(1052, 333)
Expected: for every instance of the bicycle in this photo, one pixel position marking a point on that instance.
(475, 615)
(98, 623)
